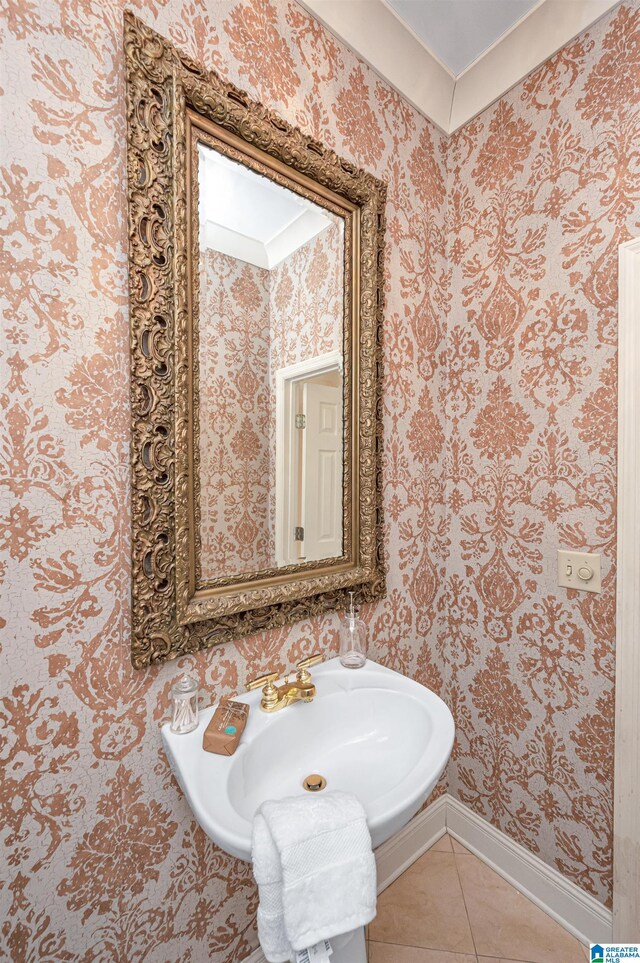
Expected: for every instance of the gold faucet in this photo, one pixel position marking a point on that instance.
(300, 689)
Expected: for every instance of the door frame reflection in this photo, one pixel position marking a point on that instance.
(286, 380)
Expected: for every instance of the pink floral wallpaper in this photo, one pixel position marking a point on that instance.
(307, 304)
(103, 859)
(543, 187)
(499, 408)
(235, 415)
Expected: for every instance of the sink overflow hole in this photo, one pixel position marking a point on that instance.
(314, 783)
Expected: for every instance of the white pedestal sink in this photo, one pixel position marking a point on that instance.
(369, 731)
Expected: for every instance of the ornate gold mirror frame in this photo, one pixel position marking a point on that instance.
(169, 100)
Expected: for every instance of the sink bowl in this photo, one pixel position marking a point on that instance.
(369, 731)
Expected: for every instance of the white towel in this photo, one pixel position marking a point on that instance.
(315, 870)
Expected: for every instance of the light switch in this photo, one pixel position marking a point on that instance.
(579, 570)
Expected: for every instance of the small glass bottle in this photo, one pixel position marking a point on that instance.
(185, 705)
(353, 639)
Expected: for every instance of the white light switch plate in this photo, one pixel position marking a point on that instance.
(579, 570)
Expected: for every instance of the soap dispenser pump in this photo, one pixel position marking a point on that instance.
(353, 639)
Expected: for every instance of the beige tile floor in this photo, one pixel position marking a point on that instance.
(449, 907)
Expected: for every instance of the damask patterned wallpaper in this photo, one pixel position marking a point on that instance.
(105, 862)
(543, 188)
(307, 300)
(499, 445)
(235, 415)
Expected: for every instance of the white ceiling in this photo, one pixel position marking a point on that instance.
(248, 216)
(460, 31)
(453, 58)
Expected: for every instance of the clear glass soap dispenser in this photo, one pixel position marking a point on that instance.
(353, 639)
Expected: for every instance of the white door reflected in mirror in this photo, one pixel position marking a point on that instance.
(321, 490)
(309, 460)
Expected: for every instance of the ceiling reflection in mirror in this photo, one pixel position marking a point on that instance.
(270, 371)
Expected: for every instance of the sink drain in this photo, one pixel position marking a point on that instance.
(314, 783)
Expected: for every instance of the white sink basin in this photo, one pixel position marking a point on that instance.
(369, 731)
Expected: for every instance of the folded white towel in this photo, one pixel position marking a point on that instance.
(315, 870)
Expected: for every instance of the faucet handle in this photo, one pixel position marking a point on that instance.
(311, 660)
(305, 664)
(269, 692)
(265, 681)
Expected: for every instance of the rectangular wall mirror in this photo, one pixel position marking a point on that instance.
(256, 307)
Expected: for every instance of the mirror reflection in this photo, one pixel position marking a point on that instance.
(271, 322)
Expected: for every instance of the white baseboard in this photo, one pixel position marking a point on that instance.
(578, 912)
